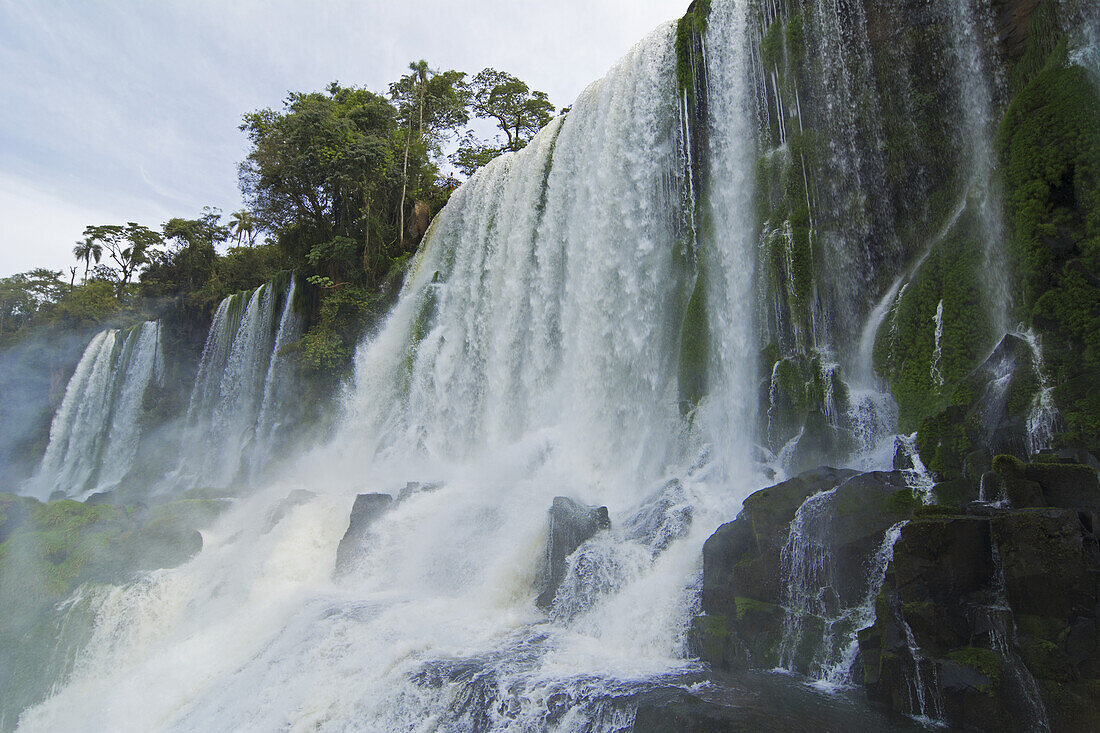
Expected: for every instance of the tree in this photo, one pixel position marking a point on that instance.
(243, 225)
(327, 167)
(191, 258)
(518, 111)
(86, 251)
(23, 297)
(128, 246)
(437, 102)
(473, 154)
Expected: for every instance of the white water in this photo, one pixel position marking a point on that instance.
(235, 416)
(532, 353)
(96, 430)
(936, 373)
(978, 84)
(1043, 418)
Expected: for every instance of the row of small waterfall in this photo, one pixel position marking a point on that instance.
(237, 418)
(711, 274)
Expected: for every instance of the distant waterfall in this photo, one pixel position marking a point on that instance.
(234, 416)
(96, 431)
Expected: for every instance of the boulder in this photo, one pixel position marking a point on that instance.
(366, 509)
(570, 525)
(743, 587)
(1047, 571)
(943, 559)
(1068, 485)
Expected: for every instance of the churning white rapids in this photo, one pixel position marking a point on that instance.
(533, 353)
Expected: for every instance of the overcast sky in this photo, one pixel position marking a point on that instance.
(127, 110)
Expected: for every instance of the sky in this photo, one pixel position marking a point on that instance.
(128, 110)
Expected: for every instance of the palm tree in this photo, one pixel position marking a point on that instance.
(86, 251)
(243, 224)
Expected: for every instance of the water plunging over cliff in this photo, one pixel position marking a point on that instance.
(235, 415)
(96, 431)
(667, 295)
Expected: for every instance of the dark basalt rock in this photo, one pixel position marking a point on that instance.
(571, 524)
(996, 607)
(1066, 485)
(366, 509)
(743, 588)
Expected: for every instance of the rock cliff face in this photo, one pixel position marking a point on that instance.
(981, 614)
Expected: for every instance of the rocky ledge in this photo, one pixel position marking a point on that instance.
(975, 606)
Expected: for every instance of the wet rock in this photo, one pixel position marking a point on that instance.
(902, 460)
(364, 512)
(743, 585)
(416, 487)
(571, 524)
(943, 559)
(1046, 570)
(1016, 487)
(1066, 485)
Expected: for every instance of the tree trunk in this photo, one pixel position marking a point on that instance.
(404, 187)
(366, 237)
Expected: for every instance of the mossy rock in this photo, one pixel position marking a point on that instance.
(1021, 492)
(1047, 571)
(1065, 484)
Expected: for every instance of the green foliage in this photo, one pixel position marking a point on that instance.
(87, 306)
(694, 348)
(433, 102)
(986, 662)
(27, 297)
(1049, 144)
(519, 112)
(344, 314)
(905, 349)
(689, 33)
(1044, 33)
(128, 246)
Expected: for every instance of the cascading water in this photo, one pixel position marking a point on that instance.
(95, 434)
(584, 318)
(1043, 418)
(972, 37)
(820, 632)
(236, 414)
(539, 327)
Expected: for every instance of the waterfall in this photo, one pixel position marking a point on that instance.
(96, 431)
(585, 318)
(536, 349)
(936, 373)
(978, 87)
(1043, 417)
(807, 569)
(235, 415)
